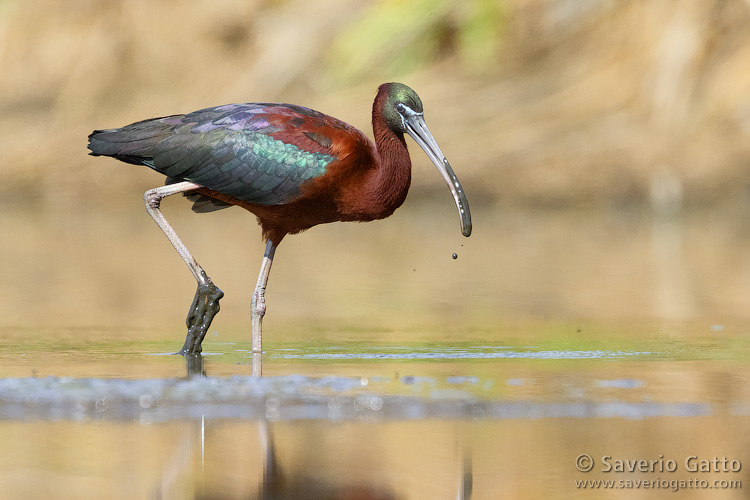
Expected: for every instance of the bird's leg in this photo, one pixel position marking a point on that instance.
(206, 302)
(258, 302)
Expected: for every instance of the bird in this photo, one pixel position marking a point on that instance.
(291, 166)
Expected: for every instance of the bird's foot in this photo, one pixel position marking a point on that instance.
(202, 311)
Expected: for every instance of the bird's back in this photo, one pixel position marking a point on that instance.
(260, 153)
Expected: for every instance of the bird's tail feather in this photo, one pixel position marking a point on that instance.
(133, 143)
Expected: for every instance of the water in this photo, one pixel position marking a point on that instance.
(557, 341)
(374, 420)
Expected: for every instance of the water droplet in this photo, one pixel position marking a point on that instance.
(455, 256)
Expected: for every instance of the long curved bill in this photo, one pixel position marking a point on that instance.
(417, 129)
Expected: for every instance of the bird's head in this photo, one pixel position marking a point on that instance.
(403, 113)
(401, 102)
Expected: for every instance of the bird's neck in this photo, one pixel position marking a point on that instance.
(390, 182)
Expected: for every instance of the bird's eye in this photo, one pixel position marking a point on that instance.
(400, 107)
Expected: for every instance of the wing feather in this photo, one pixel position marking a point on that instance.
(261, 153)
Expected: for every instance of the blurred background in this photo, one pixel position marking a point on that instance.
(604, 147)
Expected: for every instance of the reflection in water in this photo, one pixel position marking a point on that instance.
(277, 483)
(177, 469)
(195, 365)
(280, 484)
(440, 428)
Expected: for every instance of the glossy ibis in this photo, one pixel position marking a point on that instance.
(291, 166)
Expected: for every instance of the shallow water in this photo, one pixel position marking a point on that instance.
(391, 370)
(376, 420)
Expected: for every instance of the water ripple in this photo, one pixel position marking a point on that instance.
(504, 354)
